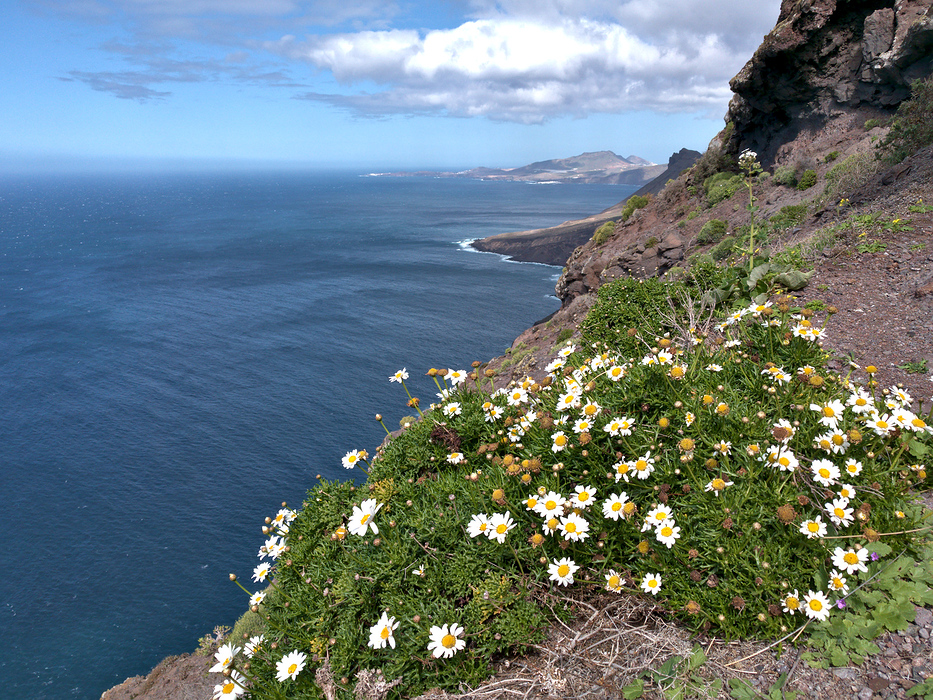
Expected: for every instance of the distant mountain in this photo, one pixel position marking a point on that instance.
(603, 167)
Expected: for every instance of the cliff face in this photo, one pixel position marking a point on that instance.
(827, 66)
(825, 58)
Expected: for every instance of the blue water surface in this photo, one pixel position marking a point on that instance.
(180, 353)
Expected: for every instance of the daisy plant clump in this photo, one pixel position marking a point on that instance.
(727, 477)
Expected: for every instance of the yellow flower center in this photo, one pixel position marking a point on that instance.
(792, 603)
(824, 472)
(677, 372)
(813, 526)
(560, 440)
(385, 633)
(882, 423)
(641, 465)
(616, 507)
(613, 582)
(448, 641)
(292, 669)
(718, 484)
(570, 527)
(584, 496)
(628, 508)
(653, 583)
(850, 558)
(364, 519)
(839, 513)
(918, 423)
(228, 687)
(501, 528)
(838, 440)
(837, 583)
(861, 402)
(784, 462)
(552, 524)
(816, 605)
(825, 444)
(563, 570)
(666, 531)
(551, 505)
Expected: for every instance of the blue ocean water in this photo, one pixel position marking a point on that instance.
(181, 353)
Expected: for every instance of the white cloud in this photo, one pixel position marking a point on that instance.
(522, 69)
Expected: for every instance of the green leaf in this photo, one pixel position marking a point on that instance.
(793, 280)
(634, 690)
(696, 659)
(924, 689)
(757, 273)
(740, 690)
(879, 548)
(918, 449)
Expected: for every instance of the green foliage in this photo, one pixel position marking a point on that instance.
(696, 415)
(713, 161)
(816, 305)
(872, 123)
(912, 126)
(723, 249)
(898, 583)
(721, 187)
(604, 233)
(789, 216)
(831, 156)
(872, 247)
(807, 180)
(786, 175)
(564, 335)
(914, 367)
(626, 305)
(209, 643)
(712, 231)
(636, 201)
(848, 175)
(249, 625)
(693, 214)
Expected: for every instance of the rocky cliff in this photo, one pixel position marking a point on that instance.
(824, 59)
(825, 69)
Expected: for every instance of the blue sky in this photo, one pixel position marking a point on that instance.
(365, 84)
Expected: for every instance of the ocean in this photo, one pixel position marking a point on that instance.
(181, 353)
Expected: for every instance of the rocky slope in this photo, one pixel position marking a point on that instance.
(881, 282)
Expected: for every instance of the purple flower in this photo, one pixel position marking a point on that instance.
(841, 603)
(874, 556)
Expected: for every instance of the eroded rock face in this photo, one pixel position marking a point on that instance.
(826, 57)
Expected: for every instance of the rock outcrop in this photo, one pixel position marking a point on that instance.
(825, 58)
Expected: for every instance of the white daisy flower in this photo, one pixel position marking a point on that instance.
(562, 571)
(651, 583)
(381, 633)
(446, 641)
(290, 666)
(816, 605)
(478, 525)
(614, 505)
(850, 560)
(499, 526)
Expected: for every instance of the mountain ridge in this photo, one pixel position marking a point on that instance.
(591, 167)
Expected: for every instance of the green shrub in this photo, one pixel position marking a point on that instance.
(712, 231)
(789, 216)
(721, 187)
(725, 435)
(848, 175)
(872, 123)
(250, 624)
(704, 273)
(830, 157)
(786, 175)
(625, 304)
(604, 233)
(636, 201)
(564, 335)
(912, 126)
(723, 249)
(807, 180)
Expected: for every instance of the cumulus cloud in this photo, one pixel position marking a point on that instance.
(519, 69)
(519, 60)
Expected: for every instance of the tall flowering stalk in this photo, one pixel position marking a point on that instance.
(749, 164)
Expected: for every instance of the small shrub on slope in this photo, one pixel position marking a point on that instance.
(730, 477)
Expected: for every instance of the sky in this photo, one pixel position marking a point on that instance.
(365, 84)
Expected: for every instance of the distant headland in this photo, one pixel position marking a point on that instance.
(600, 167)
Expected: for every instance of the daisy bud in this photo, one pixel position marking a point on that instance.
(379, 417)
(416, 619)
(233, 577)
